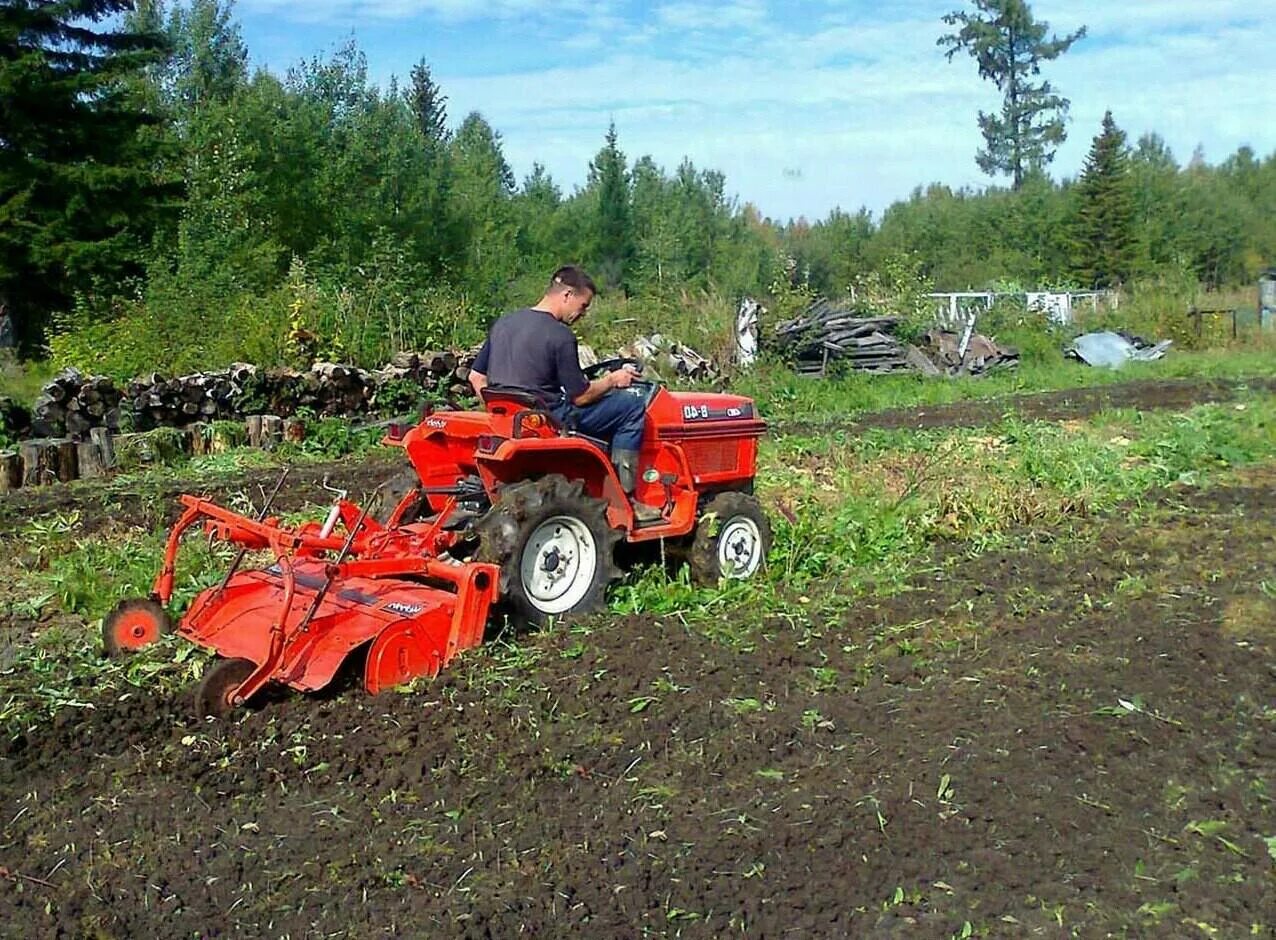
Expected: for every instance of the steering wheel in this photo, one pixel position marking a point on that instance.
(611, 365)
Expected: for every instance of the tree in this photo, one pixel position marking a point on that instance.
(1010, 45)
(209, 60)
(1103, 238)
(482, 188)
(77, 193)
(428, 104)
(610, 181)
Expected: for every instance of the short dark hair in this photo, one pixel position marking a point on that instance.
(570, 275)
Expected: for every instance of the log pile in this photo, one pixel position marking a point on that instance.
(660, 355)
(71, 403)
(827, 333)
(155, 401)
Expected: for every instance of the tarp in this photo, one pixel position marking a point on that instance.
(1112, 350)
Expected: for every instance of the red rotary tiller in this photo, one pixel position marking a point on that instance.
(295, 621)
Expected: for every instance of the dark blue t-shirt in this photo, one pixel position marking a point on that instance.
(531, 349)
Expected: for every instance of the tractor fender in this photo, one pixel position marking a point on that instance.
(575, 458)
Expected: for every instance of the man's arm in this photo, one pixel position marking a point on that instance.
(478, 371)
(604, 384)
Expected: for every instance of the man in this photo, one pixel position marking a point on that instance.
(535, 349)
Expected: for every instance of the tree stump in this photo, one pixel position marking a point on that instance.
(10, 470)
(272, 431)
(101, 437)
(39, 461)
(67, 466)
(294, 430)
(226, 435)
(252, 427)
(89, 460)
(201, 437)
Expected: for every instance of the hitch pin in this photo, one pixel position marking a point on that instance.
(335, 512)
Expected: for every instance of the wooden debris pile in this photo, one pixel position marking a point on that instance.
(828, 333)
(967, 353)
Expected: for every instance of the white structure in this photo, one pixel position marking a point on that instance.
(957, 309)
(746, 332)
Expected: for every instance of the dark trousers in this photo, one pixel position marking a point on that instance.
(617, 417)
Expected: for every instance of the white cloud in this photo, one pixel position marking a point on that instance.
(353, 11)
(842, 103)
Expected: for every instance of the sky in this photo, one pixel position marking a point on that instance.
(805, 105)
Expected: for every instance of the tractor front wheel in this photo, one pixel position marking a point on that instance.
(554, 545)
(731, 539)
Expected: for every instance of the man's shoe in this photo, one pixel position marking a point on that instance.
(645, 513)
(626, 464)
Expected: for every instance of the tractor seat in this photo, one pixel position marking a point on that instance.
(510, 399)
(504, 399)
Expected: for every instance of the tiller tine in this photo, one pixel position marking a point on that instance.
(323, 597)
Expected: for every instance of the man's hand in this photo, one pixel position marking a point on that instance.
(622, 377)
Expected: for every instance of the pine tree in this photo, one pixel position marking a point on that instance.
(77, 195)
(1010, 46)
(614, 240)
(428, 104)
(1103, 238)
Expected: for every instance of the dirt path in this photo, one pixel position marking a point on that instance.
(959, 753)
(1144, 394)
(153, 505)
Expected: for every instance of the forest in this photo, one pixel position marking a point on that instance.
(164, 205)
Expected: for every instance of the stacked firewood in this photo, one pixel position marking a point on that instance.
(71, 403)
(155, 401)
(828, 333)
(448, 373)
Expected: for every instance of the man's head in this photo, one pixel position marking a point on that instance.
(569, 294)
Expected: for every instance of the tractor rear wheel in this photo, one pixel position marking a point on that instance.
(555, 548)
(389, 496)
(731, 539)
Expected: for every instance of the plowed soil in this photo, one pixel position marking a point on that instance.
(1064, 739)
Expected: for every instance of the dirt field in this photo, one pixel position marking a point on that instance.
(1071, 738)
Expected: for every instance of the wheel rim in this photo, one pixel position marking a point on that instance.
(739, 548)
(559, 564)
(136, 629)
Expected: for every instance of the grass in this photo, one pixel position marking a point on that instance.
(851, 514)
(858, 513)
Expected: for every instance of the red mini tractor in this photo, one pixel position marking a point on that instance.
(501, 507)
